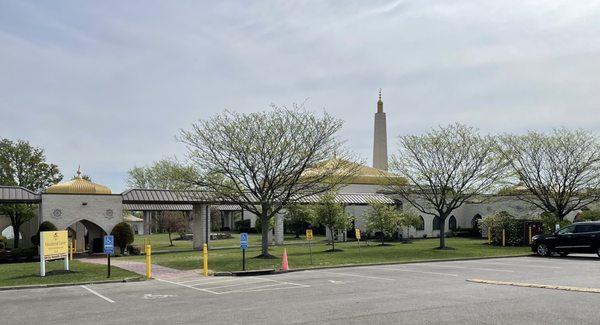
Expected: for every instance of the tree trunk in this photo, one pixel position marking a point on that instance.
(16, 230)
(382, 238)
(442, 233)
(170, 240)
(332, 239)
(265, 234)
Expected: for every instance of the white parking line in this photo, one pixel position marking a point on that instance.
(357, 275)
(515, 265)
(187, 286)
(210, 282)
(410, 271)
(447, 266)
(99, 295)
(236, 284)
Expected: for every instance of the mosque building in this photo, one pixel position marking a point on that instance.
(89, 210)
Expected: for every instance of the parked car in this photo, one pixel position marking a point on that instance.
(580, 237)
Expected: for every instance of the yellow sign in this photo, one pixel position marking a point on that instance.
(309, 235)
(357, 233)
(55, 244)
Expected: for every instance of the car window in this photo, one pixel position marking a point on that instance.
(567, 230)
(585, 228)
(595, 228)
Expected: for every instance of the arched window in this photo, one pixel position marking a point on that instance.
(436, 223)
(421, 225)
(475, 221)
(452, 223)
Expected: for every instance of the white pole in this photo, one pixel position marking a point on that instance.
(67, 262)
(42, 259)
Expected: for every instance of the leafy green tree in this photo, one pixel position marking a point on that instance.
(298, 216)
(332, 215)
(264, 160)
(123, 235)
(445, 168)
(382, 218)
(409, 219)
(560, 170)
(590, 215)
(24, 165)
(168, 174)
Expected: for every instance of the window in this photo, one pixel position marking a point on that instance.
(421, 226)
(566, 231)
(475, 221)
(452, 223)
(436, 223)
(586, 228)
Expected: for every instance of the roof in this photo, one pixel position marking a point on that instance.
(130, 218)
(228, 207)
(78, 185)
(353, 198)
(354, 173)
(17, 194)
(167, 196)
(156, 207)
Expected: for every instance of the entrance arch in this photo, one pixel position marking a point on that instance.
(86, 236)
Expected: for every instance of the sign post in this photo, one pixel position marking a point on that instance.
(309, 237)
(244, 245)
(109, 248)
(357, 235)
(54, 245)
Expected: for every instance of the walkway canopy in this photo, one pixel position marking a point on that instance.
(17, 195)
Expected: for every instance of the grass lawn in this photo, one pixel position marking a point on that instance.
(29, 273)
(298, 255)
(160, 242)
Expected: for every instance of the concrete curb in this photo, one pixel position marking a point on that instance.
(53, 285)
(227, 273)
(535, 285)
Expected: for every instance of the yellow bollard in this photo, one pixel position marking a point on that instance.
(529, 235)
(205, 259)
(503, 237)
(148, 261)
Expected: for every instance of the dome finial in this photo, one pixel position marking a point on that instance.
(379, 93)
(78, 172)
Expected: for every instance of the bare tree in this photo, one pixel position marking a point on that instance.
(261, 161)
(561, 170)
(446, 167)
(167, 174)
(173, 221)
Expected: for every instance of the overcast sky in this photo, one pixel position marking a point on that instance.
(108, 84)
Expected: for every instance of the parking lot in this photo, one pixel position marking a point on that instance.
(435, 292)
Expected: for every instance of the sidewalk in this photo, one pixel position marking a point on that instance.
(158, 272)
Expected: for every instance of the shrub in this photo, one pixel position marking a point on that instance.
(123, 235)
(504, 221)
(589, 215)
(549, 222)
(44, 226)
(242, 225)
(133, 250)
(3, 242)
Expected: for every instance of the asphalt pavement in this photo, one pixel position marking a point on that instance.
(423, 293)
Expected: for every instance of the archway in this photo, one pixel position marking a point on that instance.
(9, 234)
(452, 222)
(475, 223)
(421, 226)
(86, 236)
(436, 223)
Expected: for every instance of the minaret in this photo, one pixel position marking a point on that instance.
(380, 155)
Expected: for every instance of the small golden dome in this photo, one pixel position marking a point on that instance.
(78, 186)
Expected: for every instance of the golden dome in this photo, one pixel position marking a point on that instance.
(361, 174)
(78, 186)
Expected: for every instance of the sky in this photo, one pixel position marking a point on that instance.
(108, 84)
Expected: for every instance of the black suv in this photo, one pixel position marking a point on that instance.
(580, 237)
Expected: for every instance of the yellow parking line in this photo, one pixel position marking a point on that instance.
(535, 285)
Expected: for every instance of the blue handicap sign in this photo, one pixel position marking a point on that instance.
(109, 244)
(244, 240)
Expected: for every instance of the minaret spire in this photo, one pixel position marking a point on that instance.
(380, 154)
